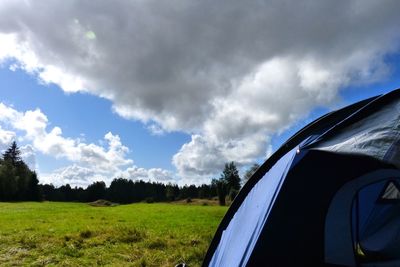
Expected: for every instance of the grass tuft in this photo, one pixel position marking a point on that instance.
(28, 242)
(143, 262)
(72, 251)
(130, 235)
(194, 242)
(85, 234)
(157, 244)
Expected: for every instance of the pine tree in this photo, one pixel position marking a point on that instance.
(220, 185)
(12, 154)
(232, 179)
(231, 176)
(170, 192)
(17, 181)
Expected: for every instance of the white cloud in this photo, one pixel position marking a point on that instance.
(74, 175)
(6, 137)
(34, 124)
(230, 74)
(90, 162)
(155, 129)
(28, 154)
(153, 175)
(81, 176)
(204, 158)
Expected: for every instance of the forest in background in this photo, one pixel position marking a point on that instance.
(19, 183)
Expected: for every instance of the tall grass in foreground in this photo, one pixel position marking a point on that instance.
(76, 234)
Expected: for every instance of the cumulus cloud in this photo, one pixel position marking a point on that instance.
(90, 162)
(202, 158)
(34, 124)
(74, 175)
(229, 73)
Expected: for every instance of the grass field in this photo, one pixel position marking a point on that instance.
(76, 234)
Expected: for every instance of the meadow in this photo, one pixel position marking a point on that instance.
(77, 234)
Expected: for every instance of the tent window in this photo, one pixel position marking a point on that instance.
(376, 223)
(373, 231)
(390, 193)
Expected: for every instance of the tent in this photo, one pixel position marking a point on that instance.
(330, 196)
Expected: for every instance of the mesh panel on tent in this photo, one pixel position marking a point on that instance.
(391, 192)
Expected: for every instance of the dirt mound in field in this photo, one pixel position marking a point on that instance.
(197, 201)
(102, 203)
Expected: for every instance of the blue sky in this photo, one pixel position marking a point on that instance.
(86, 116)
(171, 92)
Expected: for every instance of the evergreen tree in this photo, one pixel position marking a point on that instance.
(12, 154)
(67, 193)
(17, 181)
(95, 191)
(221, 186)
(8, 182)
(170, 192)
(120, 190)
(231, 176)
(23, 178)
(204, 191)
(48, 191)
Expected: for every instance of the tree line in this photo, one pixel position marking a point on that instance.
(19, 183)
(125, 191)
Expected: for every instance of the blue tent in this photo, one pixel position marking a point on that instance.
(330, 196)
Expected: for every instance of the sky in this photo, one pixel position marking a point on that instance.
(170, 91)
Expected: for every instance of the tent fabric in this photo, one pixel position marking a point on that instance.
(238, 240)
(377, 135)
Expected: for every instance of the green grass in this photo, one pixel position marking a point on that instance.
(76, 234)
